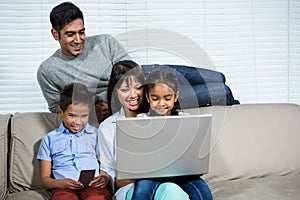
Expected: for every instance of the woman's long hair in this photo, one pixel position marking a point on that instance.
(122, 71)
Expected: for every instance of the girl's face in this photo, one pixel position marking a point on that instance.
(130, 94)
(162, 98)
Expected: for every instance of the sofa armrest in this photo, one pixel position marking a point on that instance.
(4, 124)
(27, 129)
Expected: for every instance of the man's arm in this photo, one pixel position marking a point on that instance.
(50, 91)
(50, 183)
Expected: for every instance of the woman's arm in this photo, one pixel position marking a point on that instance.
(122, 183)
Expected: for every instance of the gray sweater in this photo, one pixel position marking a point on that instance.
(92, 68)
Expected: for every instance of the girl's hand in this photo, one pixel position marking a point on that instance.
(69, 183)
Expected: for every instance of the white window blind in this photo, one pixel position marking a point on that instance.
(256, 43)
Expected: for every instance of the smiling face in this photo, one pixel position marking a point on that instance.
(71, 38)
(75, 117)
(130, 95)
(162, 99)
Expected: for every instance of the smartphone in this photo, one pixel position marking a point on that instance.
(86, 176)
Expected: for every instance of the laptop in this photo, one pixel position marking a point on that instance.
(162, 146)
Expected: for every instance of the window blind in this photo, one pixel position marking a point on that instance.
(255, 43)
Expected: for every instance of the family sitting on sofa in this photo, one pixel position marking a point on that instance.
(73, 146)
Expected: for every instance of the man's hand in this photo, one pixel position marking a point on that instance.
(102, 110)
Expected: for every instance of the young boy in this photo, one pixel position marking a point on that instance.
(72, 147)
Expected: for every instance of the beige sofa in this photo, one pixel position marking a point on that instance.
(254, 152)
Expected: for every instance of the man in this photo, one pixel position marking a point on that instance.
(80, 59)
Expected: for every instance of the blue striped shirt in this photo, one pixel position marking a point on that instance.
(70, 153)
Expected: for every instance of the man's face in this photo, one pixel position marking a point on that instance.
(71, 38)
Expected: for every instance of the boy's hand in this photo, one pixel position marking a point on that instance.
(100, 181)
(69, 183)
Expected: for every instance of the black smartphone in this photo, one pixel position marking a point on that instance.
(86, 176)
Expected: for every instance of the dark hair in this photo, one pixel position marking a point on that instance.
(74, 93)
(63, 14)
(166, 76)
(121, 71)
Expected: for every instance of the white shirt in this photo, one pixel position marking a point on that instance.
(107, 147)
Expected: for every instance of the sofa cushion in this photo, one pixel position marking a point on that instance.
(198, 87)
(4, 122)
(193, 75)
(253, 140)
(27, 130)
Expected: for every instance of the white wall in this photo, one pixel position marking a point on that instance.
(256, 43)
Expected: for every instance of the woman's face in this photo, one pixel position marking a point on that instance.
(130, 95)
(162, 99)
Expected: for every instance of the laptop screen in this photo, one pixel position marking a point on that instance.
(163, 146)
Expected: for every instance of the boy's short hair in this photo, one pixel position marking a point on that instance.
(63, 14)
(74, 93)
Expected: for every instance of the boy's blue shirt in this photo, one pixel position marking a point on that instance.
(70, 153)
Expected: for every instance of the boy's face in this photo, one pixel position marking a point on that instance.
(162, 99)
(75, 117)
(71, 38)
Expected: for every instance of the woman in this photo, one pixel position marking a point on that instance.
(125, 96)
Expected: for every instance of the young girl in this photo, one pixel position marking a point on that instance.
(125, 95)
(162, 94)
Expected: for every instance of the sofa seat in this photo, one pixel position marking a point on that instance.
(285, 187)
(30, 194)
(253, 153)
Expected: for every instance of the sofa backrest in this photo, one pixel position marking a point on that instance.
(4, 123)
(247, 141)
(253, 140)
(27, 129)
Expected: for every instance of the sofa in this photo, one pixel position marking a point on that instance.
(254, 151)
(253, 154)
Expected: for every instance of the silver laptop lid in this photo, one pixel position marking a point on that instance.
(162, 146)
